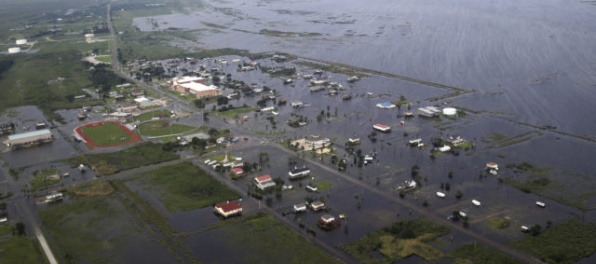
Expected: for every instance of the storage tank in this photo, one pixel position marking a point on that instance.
(449, 111)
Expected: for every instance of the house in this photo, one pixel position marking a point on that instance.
(316, 88)
(263, 182)
(297, 173)
(429, 111)
(229, 208)
(354, 141)
(317, 205)
(455, 141)
(415, 142)
(299, 208)
(297, 104)
(237, 172)
(327, 218)
(382, 128)
(444, 148)
(327, 222)
(127, 107)
(311, 188)
(492, 166)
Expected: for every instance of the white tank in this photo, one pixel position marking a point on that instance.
(449, 111)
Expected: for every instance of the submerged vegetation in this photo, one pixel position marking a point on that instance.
(565, 243)
(401, 240)
(183, 187)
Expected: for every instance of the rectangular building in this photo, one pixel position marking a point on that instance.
(23, 140)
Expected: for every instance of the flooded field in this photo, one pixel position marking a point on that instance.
(531, 60)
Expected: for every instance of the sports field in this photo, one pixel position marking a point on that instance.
(106, 134)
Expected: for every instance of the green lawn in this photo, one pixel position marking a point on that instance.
(106, 134)
(41, 179)
(162, 128)
(157, 113)
(133, 157)
(18, 249)
(185, 187)
(236, 112)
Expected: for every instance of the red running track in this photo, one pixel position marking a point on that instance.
(90, 142)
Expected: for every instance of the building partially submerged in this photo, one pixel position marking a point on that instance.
(227, 209)
(298, 173)
(263, 182)
(28, 139)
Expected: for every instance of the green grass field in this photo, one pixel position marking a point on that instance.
(162, 128)
(18, 249)
(133, 157)
(185, 187)
(149, 115)
(106, 134)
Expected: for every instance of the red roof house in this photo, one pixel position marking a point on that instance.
(228, 208)
(237, 171)
(263, 182)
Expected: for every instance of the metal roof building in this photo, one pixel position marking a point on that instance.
(29, 138)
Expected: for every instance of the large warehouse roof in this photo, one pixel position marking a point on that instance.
(29, 134)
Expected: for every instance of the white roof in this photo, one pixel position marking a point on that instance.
(187, 79)
(198, 87)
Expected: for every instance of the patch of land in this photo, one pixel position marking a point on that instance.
(264, 238)
(184, 187)
(401, 240)
(133, 157)
(565, 243)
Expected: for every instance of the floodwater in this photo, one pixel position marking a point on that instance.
(533, 60)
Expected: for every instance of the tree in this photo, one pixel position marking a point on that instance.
(458, 194)
(199, 103)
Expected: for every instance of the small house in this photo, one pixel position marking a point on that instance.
(382, 127)
(263, 182)
(299, 208)
(229, 208)
(237, 172)
(317, 205)
(297, 173)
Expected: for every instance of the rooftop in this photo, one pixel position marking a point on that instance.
(29, 134)
(229, 206)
